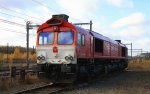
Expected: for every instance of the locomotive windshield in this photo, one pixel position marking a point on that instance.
(46, 38)
(65, 37)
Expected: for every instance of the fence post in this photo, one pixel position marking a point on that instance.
(22, 74)
(13, 73)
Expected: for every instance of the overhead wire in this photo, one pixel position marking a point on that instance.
(15, 23)
(12, 23)
(15, 16)
(42, 4)
(11, 30)
(6, 21)
(26, 14)
(20, 13)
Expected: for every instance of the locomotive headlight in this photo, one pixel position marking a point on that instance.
(39, 58)
(43, 58)
(71, 58)
(66, 58)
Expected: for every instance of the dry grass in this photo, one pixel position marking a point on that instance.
(141, 65)
(7, 83)
(4, 83)
(31, 78)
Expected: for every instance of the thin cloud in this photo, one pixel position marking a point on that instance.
(79, 9)
(121, 3)
(130, 20)
(14, 3)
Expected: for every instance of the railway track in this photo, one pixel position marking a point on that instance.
(57, 88)
(45, 89)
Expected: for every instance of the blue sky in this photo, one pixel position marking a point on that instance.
(127, 20)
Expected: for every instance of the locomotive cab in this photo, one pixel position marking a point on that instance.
(56, 47)
(56, 42)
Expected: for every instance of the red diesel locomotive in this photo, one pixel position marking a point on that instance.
(66, 51)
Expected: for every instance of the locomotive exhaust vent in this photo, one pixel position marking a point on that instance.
(62, 16)
(57, 19)
(118, 41)
(54, 21)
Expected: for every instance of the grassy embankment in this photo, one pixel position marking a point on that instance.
(139, 65)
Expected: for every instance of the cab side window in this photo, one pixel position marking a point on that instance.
(81, 39)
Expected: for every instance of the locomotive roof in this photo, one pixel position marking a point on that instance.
(97, 35)
(100, 36)
(85, 31)
(123, 45)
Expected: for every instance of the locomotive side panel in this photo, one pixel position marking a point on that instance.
(98, 45)
(83, 47)
(114, 51)
(119, 50)
(106, 51)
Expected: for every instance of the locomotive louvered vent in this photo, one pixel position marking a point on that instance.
(53, 21)
(62, 16)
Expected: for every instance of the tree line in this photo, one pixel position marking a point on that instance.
(13, 54)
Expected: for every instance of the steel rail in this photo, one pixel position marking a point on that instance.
(45, 89)
(32, 89)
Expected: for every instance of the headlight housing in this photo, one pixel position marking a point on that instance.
(41, 58)
(71, 58)
(67, 58)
